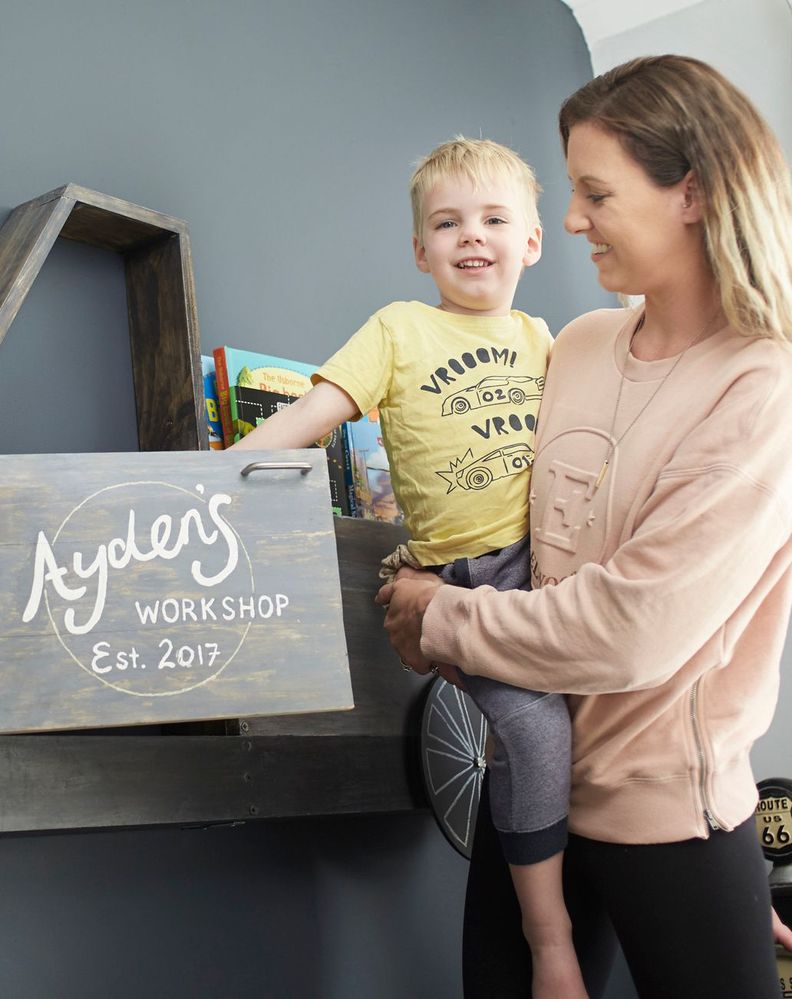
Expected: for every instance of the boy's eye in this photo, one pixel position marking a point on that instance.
(446, 224)
(496, 220)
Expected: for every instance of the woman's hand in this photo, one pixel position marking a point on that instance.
(781, 933)
(406, 600)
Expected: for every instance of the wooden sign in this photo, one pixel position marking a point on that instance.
(150, 587)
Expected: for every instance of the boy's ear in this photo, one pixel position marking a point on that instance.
(533, 248)
(420, 256)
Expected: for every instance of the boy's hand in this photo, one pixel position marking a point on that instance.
(405, 601)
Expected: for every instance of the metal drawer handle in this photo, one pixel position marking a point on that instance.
(259, 466)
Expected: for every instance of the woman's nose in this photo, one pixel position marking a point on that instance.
(575, 220)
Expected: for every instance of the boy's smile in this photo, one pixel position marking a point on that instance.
(475, 243)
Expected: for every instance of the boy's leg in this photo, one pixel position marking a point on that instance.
(548, 929)
(496, 960)
(529, 788)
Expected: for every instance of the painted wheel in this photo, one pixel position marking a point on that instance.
(453, 737)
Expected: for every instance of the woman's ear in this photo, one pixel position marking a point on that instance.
(692, 209)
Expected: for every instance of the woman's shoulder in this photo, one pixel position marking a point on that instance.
(592, 329)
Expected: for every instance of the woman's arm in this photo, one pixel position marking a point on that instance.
(716, 524)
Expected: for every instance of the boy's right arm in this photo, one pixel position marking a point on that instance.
(301, 424)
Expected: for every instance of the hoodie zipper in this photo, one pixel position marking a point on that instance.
(709, 815)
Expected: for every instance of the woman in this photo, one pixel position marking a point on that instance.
(661, 506)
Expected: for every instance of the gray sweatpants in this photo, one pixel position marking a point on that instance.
(530, 769)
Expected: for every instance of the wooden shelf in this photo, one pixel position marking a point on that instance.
(365, 760)
(163, 321)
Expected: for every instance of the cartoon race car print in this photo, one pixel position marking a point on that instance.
(493, 390)
(479, 472)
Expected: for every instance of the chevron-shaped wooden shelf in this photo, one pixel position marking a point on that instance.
(163, 320)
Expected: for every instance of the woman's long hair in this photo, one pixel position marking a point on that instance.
(674, 114)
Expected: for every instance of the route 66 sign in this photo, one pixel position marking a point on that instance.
(774, 819)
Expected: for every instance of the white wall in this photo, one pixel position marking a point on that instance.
(749, 42)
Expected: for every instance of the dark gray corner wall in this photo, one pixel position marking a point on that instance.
(284, 132)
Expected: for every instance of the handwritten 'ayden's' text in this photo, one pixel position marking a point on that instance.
(166, 540)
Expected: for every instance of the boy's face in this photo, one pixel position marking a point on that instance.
(475, 243)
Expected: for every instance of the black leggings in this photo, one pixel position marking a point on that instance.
(693, 918)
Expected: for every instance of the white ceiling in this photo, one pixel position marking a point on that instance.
(601, 19)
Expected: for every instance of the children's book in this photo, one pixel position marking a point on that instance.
(255, 405)
(251, 369)
(371, 472)
(213, 425)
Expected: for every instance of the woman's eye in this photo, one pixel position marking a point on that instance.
(595, 198)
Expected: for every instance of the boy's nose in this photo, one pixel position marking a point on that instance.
(471, 234)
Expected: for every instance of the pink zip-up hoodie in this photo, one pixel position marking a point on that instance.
(662, 595)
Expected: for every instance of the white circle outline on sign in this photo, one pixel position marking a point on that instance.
(101, 679)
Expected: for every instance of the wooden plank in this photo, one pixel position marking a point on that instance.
(167, 224)
(83, 782)
(292, 776)
(136, 590)
(166, 364)
(387, 699)
(26, 237)
(108, 231)
(63, 783)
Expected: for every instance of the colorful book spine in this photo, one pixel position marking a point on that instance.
(348, 477)
(214, 427)
(238, 368)
(371, 472)
(221, 376)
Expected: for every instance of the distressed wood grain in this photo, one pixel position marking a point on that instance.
(163, 319)
(137, 589)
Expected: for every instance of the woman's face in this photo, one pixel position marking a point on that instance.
(641, 234)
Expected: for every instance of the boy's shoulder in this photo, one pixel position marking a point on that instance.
(396, 311)
(535, 326)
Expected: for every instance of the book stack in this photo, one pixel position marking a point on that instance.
(248, 387)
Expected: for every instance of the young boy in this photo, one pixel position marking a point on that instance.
(458, 389)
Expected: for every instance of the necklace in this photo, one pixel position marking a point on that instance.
(613, 444)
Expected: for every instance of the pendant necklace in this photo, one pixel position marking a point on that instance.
(613, 444)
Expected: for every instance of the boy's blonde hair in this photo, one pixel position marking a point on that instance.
(478, 160)
(674, 114)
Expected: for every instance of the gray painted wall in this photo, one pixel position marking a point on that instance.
(285, 133)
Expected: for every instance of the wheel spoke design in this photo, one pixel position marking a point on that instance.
(453, 737)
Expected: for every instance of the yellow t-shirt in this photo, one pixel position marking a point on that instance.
(458, 398)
